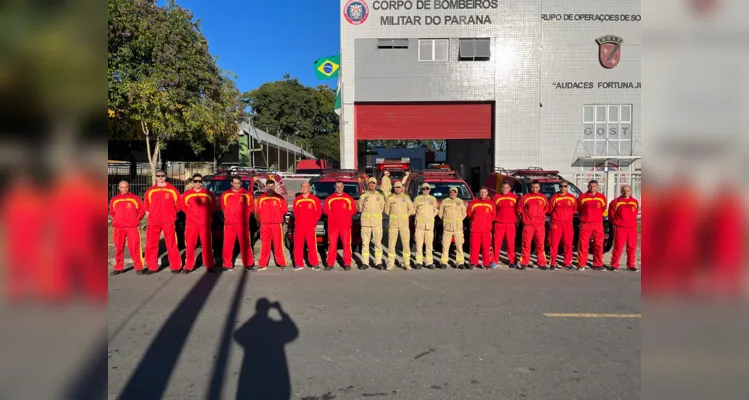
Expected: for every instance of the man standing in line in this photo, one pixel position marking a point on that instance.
(591, 206)
(127, 210)
(623, 214)
(161, 203)
(371, 205)
(399, 207)
(270, 210)
(562, 207)
(198, 205)
(340, 209)
(426, 209)
(533, 207)
(481, 212)
(452, 212)
(385, 184)
(504, 224)
(307, 211)
(237, 204)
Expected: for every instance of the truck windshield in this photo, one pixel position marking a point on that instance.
(325, 189)
(441, 190)
(220, 186)
(550, 188)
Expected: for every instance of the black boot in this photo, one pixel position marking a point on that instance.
(418, 266)
(430, 266)
(116, 272)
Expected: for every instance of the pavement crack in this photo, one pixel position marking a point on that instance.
(418, 356)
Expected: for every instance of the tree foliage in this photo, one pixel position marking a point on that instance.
(289, 108)
(163, 79)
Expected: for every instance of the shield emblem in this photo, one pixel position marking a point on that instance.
(609, 50)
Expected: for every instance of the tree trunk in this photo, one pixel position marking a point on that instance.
(153, 156)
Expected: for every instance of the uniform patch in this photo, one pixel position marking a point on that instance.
(166, 196)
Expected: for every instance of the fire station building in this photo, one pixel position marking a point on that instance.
(509, 84)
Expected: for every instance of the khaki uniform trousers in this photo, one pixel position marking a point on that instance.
(447, 237)
(424, 237)
(369, 233)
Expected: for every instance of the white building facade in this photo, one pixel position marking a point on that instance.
(510, 84)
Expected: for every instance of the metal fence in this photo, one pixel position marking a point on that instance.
(618, 178)
(139, 174)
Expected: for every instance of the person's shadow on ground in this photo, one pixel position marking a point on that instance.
(265, 372)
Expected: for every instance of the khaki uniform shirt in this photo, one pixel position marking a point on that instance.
(371, 205)
(426, 210)
(452, 212)
(399, 207)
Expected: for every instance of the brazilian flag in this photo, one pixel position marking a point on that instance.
(327, 67)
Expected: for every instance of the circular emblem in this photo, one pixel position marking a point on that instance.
(202, 201)
(403, 200)
(356, 12)
(166, 196)
(309, 205)
(131, 206)
(634, 208)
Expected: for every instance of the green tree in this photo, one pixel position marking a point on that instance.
(162, 78)
(289, 108)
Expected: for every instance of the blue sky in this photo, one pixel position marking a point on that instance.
(260, 40)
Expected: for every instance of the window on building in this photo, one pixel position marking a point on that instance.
(392, 43)
(475, 49)
(607, 129)
(433, 49)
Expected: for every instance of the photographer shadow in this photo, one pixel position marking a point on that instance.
(265, 370)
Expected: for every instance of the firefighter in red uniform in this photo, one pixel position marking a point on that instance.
(623, 215)
(198, 204)
(161, 203)
(532, 207)
(481, 213)
(270, 210)
(307, 211)
(504, 224)
(591, 206)
(127, 210)
(237, 204)
(562, 208)
(340, 209)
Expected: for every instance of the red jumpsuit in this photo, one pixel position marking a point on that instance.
(340, 209)
(623, 215)
(270, 211)
(237, 207)
(198, 207)
(504, 225)
(591, 207)
(307, 211)
(127, 210)
(161, 204)
(481, 214)
(24, 225)
(532, 207)
(562, 208)
(728, 238)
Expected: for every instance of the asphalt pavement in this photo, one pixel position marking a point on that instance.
(427, 334)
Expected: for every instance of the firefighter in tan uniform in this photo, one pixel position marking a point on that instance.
(385, 185)
(426, 209)
(399, 207)
(371, 205)
(452, 212)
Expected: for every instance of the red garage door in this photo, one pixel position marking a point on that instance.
(397, 121)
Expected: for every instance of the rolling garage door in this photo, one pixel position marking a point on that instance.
(397, 121)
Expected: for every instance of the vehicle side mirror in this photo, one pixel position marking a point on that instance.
(258, 193)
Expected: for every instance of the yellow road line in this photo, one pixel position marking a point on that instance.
(592, 315)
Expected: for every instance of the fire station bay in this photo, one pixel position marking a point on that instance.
(508, 83)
